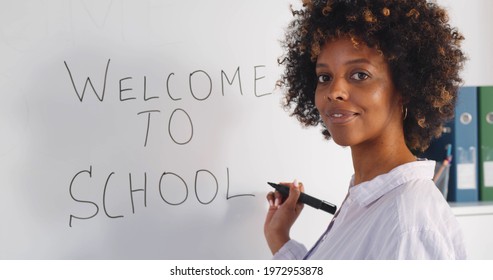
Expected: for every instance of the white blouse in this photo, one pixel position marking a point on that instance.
(398, 215)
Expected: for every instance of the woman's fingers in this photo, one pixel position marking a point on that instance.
(270, 198)
(275, 199)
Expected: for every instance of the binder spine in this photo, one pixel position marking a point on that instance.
(485, 101)
(465, 183)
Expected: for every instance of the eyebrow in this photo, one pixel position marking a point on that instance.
(354, 61)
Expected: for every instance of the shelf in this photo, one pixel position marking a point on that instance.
(476, 208)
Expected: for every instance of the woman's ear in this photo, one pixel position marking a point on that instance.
(402, 103)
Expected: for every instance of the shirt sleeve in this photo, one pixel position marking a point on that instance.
(292, 250)
(428, 245)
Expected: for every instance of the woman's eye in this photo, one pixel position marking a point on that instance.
(323, 78)
(360, 76)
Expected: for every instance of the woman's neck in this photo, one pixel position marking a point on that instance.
(379, 157)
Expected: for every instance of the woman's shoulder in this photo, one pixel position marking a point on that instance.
(421, 192)
(425, 218)
(420, 205)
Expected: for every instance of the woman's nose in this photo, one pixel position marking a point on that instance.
(338, 90)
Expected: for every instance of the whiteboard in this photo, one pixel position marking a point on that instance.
(148, 130)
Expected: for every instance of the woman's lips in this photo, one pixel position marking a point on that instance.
(341, 116)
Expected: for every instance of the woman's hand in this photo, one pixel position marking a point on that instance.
(282, 215)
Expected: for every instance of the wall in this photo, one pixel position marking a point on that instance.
(473, 20)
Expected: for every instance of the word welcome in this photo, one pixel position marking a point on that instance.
(199, 93)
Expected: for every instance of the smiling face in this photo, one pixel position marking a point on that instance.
(355, 95)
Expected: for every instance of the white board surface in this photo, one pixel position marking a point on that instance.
(146, 130)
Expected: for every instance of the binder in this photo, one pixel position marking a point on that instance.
(485, 100)
(461, 133)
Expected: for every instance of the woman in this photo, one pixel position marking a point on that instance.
(381, 77)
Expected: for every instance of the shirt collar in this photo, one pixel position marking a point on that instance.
(369, 191)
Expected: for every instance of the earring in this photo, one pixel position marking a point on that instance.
(404, 111)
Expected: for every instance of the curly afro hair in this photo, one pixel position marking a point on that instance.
(421, 48)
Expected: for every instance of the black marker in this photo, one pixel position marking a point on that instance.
(306, 199)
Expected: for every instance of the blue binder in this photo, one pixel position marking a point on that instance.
(462, 134)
